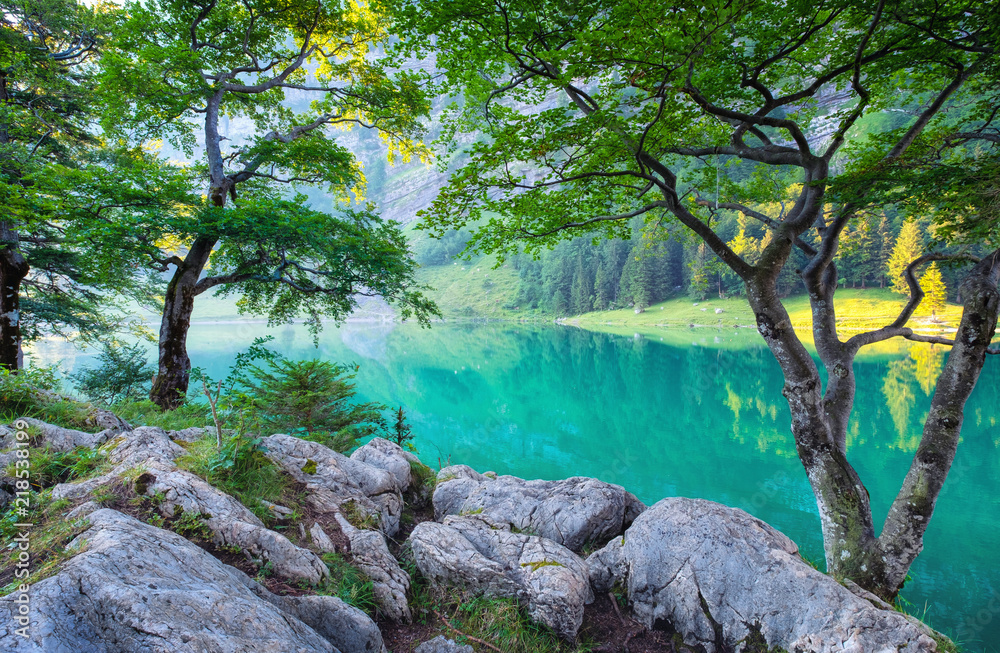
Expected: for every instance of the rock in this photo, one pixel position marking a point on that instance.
(387, 456)
(192, 434)
(389, 582)
(142, 445)
(321, 539)
(82, 510)
(229, 521)
(715, 574)
(134, 587)
(442, 645)
(333, 479)
(485, 557)
(572, 512)
(58, 438)
(719, 311)
(346, 627)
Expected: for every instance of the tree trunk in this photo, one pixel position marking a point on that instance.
(13, 270)
(171, 383)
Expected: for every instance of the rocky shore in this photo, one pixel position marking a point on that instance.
(157, 559)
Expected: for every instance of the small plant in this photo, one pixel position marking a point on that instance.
(190, 524)
(358, 517)
(348, 583)
(123, 373)
(313, 399)
(49, 467)
(401, 431)
(266, 571)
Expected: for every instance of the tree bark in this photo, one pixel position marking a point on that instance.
(171, 383)
(13, 270)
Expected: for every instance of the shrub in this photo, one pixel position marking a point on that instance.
(123, 374)
(313, 399)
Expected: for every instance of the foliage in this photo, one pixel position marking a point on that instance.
(123, 373)
(50, 468)
(50, 533)
(401, 431)
(908, 247)
(937, 293)
(313, 399)
(240, 469)
(348, 583)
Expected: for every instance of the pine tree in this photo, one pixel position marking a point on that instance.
(581, 300)
(883, 247)
(908, 247)
(936, 292)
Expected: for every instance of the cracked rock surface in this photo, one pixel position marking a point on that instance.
(134, 587)
(333, 479)
(485, 557)
(390, 583)
(716, 573)
(572, 512)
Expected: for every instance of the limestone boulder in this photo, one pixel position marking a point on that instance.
(387, 456)
(485, 557)
(390, 583)
(332, 480)
(133, 587)
(441, 644)
(718, 575)
(573, 512)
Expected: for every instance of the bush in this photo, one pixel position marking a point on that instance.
(19, 390)
(312, 399)
(123, 374)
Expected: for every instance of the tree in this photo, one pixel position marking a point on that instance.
(46, 118)
(933, 286)
(907, 248)
(314, 399)
(188, 73)
(650, 92)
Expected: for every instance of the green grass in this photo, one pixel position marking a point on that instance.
(50, 533)
(251, 479)
(50, 468)
(348, 583)
(146, 413)
(474, 290)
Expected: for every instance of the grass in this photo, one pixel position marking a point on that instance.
(250, 479)
(348, 583)
(50, 533)
(146, 413)
(474, 290)
(49, 467)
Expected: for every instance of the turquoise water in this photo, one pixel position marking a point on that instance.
(699, 414)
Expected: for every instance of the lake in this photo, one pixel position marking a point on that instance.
(696, 414)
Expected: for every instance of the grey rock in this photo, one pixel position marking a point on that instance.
(387, 456)
(321, 539)
(191, 434)
(338, 479)
(58, 438)
(134, 587)
(485, 557)
(442, 645)
(701, 567)
(82, 510)
(572, 512)
(142, 445)
(389, 582)
(349, 629)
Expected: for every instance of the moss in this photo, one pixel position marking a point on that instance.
(535, 566)
(472, 511)
(309, 467)
(422, 475)
(359, 517)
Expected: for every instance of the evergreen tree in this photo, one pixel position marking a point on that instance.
(936, 292)
(884, 241)
(581, 293)
(908, 247)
